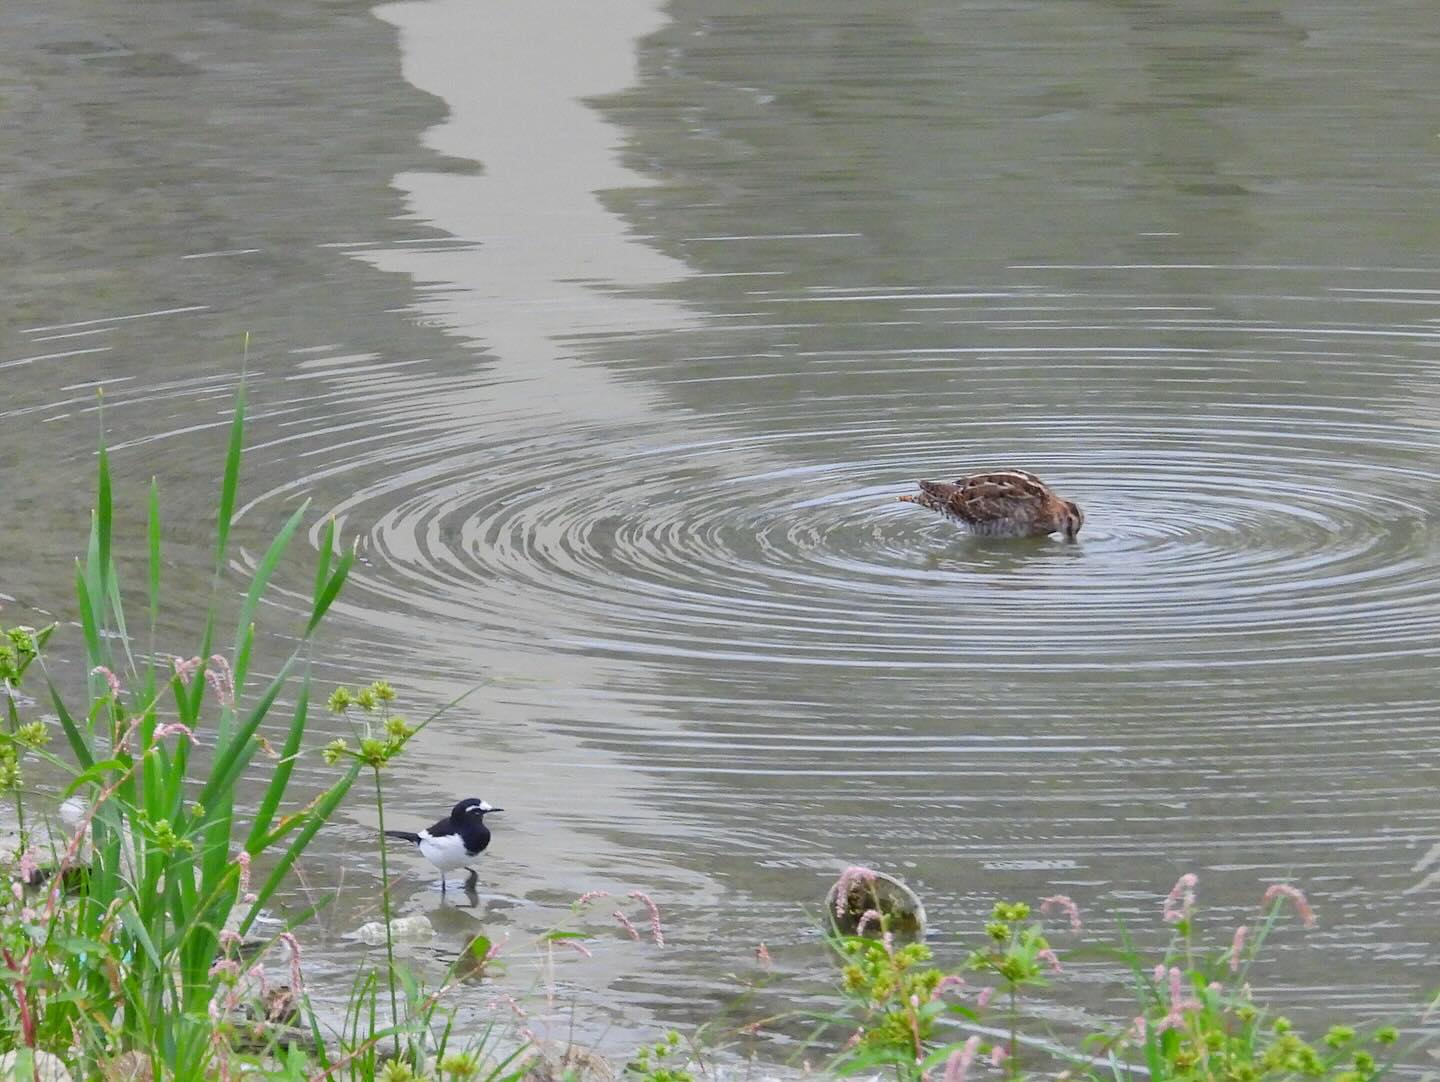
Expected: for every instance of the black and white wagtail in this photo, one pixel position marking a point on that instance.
(454, 841)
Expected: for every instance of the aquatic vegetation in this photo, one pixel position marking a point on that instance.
(1197, 1018)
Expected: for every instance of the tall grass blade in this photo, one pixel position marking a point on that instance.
(331, 590)
(270, 803)
(231, 482)
(152, 531)
(260, 581)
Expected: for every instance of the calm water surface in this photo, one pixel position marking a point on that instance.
(611, 336)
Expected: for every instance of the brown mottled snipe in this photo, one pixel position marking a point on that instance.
(1005, 503)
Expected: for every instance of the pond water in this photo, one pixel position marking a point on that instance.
(610, 332)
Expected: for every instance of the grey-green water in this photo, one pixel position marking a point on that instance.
(611, 334)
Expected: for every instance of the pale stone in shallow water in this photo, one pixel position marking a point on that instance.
(402, 930)
(48, 1067)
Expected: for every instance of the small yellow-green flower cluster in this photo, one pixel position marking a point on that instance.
(376, 748)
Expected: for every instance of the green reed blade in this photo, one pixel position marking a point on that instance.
(104, 513)
(258, 584)
(326, 553)
(88, 623)
(265, 815)
(231, 482)
(327, 596)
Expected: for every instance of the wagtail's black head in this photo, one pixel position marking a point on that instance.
(472, 809)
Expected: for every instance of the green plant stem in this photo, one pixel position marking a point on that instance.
(385, 911)
(1014, 1028)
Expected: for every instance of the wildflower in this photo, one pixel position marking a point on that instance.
(867, 918)
(959, 1062)
(625, 923)
(1236, 946)
(460, 1065)
(998, 1055)
(29, 869)
(399, 729)
(333, 751)
(850, 878)
(1049, 957)
(1387, 1035)
(110, 678)
(656, 933)
(507, 1001)
(32, 735)
(1180, 902)
(383, 691)
(950, 980)
(1066, 905)
(185, 668)
(175, 728)
(297, 982)
(578, 948)
(365, 699)
(374, 752)
(983, 999)
(762, 955)
(1296, 897)
(590, 896)
(1339, 1036)
(1137, 1028)
(220, 679)
(340, 700)
(243, 860)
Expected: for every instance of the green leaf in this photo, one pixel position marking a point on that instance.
(153, 535)
(331, 590)
(265, 815)
(260, 581)
(231, 482)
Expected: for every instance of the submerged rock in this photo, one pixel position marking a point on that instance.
(48, 1067)
(414, 929)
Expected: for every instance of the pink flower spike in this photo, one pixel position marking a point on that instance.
(578, 948)
(762, 955)
(175, 728)
(220, 679)
(1049, 957)
(246, 895)
(1236, 946)
(867, 918)
(28, 868)
(998, 1055)
(983, 999)
(1296, 897)
(185, 668)
(1181, 900)
(590, 896)
(950, 980)
(297, 984)
(110, 678)
(656, 933)
(849, 879)
(1137, 1028)
(959, 1062)
(1175, 992)
(625, 923)
(1066, 905)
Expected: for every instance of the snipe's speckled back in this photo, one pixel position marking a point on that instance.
(1005, 503)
